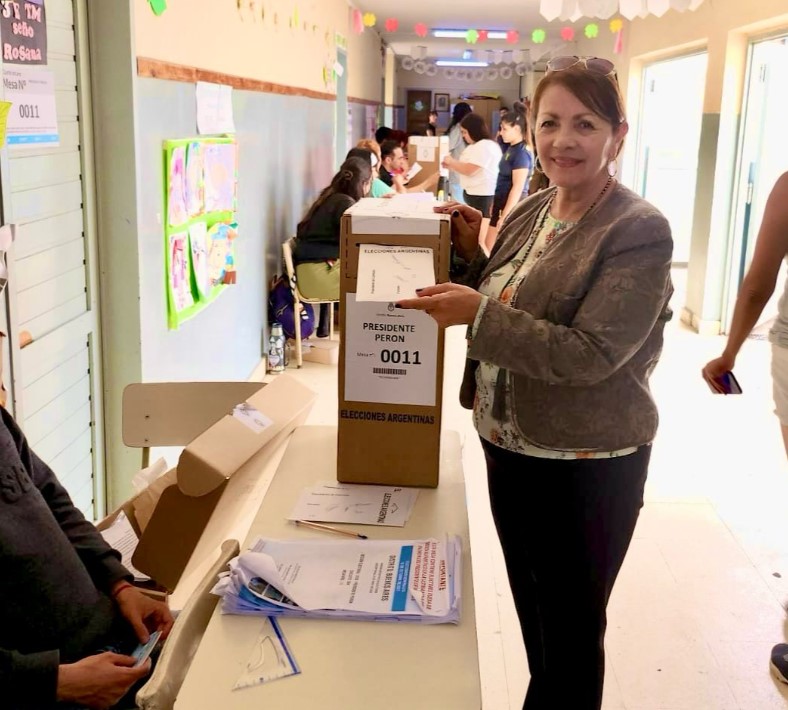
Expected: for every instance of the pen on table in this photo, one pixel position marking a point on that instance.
(330, 528)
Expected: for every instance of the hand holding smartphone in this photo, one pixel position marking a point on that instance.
(728, 384)
(144, 650)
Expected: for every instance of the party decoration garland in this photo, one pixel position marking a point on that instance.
(471, 36)
(392, 24)
(369, 19)
(538, 36)
(421, 29)
(591, 30)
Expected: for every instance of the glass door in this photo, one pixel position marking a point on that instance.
(668, 142)
(761, 162)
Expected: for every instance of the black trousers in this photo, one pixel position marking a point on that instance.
(565, 527)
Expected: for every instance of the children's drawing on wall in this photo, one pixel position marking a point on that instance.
(180, 285)
(176, 194)
(194, 179)
(220, 177)
(221, 259)
(198, 237)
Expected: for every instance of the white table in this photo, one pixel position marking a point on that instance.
(348, 665)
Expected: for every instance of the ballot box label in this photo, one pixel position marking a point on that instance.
(390, 354)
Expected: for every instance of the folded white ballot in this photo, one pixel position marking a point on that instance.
(382, 580)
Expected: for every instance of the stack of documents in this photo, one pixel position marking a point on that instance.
(372, 580)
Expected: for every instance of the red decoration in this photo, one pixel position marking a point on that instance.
(512, 36)
(392, 24)
(358, 22)
(618, 46)
(421, 29)
(567, 33)
(482, 36)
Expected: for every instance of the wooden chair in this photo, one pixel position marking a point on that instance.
(161, 690)
(287, 254)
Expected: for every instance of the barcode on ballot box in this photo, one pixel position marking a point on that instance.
(388, 371)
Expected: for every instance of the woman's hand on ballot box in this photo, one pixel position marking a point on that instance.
(449, 304)
(466, 223)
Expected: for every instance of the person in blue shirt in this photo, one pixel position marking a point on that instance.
(514, 170)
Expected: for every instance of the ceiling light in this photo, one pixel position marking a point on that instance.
(459, 63)
(461, 34)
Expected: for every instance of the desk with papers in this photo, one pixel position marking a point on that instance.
(348, 665)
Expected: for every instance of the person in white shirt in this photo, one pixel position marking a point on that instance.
(478, 164)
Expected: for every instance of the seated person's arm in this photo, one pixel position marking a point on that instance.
(102, 562)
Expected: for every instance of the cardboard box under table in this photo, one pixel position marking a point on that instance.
(390, 387)
(188, 512)
(428, 152)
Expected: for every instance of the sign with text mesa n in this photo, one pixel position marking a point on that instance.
(32, 120)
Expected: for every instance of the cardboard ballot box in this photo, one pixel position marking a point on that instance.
(429, 152)
(390, 359)
(229, 428)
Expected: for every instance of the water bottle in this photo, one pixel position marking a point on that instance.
(276, 349)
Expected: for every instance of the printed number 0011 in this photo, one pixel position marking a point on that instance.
(28, 111)
(397, 357)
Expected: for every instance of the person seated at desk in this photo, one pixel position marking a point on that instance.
(365, 151)
(69, 616)
(394, 166)
(316, 253)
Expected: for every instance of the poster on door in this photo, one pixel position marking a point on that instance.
(23, 29)
(32, 118)
(391, 354)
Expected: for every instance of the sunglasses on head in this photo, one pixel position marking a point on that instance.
(597, 65)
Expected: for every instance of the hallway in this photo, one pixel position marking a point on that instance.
(698, 605)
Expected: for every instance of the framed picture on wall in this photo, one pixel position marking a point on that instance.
(441, 102)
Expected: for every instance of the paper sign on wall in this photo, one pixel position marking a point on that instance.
(390, 354)
(23, 26)
(214, 108)
(32, 120)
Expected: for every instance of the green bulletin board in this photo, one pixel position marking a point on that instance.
(200, 177)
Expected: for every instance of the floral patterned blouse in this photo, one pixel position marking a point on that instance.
(503, 284)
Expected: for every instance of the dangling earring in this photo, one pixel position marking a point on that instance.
(612, 168)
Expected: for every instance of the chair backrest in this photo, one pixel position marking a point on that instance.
(161, 690)
(287, 254)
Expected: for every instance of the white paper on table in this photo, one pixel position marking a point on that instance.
(148, 475)
(383, 370)
(251, 417)
(391, 273)
(214, 108)
(333, 502)
(121, 536)
(415, 169)
(371, 576)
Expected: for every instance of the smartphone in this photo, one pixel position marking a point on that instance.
(730, 385)
(144, 650)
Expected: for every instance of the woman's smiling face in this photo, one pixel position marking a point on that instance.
(574, 144)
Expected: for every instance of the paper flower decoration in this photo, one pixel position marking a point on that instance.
(512, 36)
(369, 19)
(482, 35)
(616, 25)
(471, 36)
(567, 34)
(618, 47)
(538, 36)
(591, 30)
(392, 24)
(421, 29)
(358, 22)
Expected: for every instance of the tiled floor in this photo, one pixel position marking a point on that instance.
(699, 602)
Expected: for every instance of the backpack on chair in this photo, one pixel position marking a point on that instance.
(281, 310)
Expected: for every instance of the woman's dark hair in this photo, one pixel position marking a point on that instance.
(597, 92)
(461, 110)
(518, 116)
(349, 180)
(363, 153)
(476, 127)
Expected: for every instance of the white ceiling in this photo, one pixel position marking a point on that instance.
(520, 15)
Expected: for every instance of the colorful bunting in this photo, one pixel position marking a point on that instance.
(358, 22)
(538, 36)
(616, 25)
(369, 19)
(421, 29)
(512, 36)
(471, 36)
(567, 33)
(591, 30)
(482, 35)
(392, 24)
